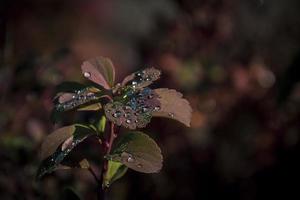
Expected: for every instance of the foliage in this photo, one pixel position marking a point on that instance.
(130, 104)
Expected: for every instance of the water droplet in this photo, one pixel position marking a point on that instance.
(171, 114)
(117, 114)
(134, 83)
(87, 74)
(139, 165)
(156, 108)
(145, 109)
(128, 121)
(130, 159)
(148, 79)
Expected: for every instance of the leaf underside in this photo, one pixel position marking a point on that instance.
(139, 152)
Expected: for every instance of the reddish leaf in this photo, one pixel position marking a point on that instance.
(54, 140)
(99, 70)
(173, 106)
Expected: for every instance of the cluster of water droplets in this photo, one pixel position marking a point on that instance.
(80, 97)
(134, 109)
(145, 77)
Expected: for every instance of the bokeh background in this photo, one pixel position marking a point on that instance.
(236, 61)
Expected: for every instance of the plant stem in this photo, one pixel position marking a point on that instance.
(101, 192)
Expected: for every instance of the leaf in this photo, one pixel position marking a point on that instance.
(99, 70)
(101, 124)
(91, 107)
(69, 86)
(86, 96)
(142, 78)
(133, 108)
(68, 137)
(70, 194)
(139, 152)
(115, 170)
(173, 106)
(54, 140)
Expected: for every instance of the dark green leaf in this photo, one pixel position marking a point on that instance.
(68, 138)
(115, 170)
(139, 152)
(69, 86)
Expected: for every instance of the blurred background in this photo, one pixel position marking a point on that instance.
(236, 61)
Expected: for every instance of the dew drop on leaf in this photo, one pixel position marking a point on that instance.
(87, 74)
(171, 114)
(139, 165)
(156, 108)
(130, 159)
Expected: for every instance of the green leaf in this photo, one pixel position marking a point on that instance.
(173, 106)
(59, 144)
(99, 70)
(139, 152)
(101, 124)
(91, 107)
(115, 170)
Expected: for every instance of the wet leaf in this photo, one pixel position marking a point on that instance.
(139, 152)
(100, 70)
(142, 78)
(82, 98)
(173, 106)
(133, 108)
(67, 137)
(115, 170)
(54, 140)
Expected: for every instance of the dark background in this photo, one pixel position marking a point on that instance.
(236, 61)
